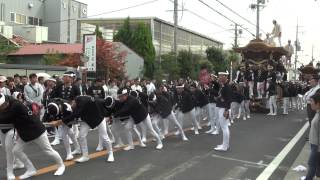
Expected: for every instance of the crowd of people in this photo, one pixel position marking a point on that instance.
(66, 108)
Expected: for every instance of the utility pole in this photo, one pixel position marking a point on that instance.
(236, 32)
(260, 3)
(236, 35)
(296, 51)
(175, 46)
(258, 20)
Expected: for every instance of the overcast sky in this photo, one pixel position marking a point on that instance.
(286, 12)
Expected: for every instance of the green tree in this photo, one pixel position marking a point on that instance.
(139, 40)
(186, 64)
(124, 34)
(218, 59)
(97, 32)
(5, 49)
(143, 45)
(52, 58)
(169, 67)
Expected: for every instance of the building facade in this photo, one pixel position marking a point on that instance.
(58, 17)
(162, 34)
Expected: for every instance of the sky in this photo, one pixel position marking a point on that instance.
(286, 12)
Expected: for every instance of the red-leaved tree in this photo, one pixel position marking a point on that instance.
(110, 60)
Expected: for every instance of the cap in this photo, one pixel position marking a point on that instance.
(2, 99)
(108, 102)
(3, 79)
(70, 74)
(50, 79)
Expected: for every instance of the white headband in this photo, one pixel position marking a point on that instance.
(112, 101)
(56, 106)
(68, 107)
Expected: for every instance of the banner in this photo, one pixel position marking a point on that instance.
(90, 48)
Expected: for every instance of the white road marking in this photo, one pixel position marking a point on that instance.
(182, 167)
(235, 173)
(239, 160)
(268, 171)
(139, 172)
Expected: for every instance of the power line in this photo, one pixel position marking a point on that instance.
(197, 15)
(225, 16)
(104, 13)
(227, 7)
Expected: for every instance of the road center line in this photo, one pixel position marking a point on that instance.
(182, 167)
(268, 171)
(139, 172)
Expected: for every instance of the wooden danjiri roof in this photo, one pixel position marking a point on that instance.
(257, 50)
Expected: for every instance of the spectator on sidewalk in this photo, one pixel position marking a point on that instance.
(314, 138)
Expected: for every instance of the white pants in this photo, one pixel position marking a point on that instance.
(198, 114)
(44, 144)
(173, 119)
(129, 126)
(285, 105)
(234, 110)
(145, 124)
(300, 102)
(191, 116)
(212, 115)
(8, 140)
(110, 134)
(102, 130)
(224, 127)
(251, 85)
(67, 132)
(273, 104)
(245, 109)
(117, 129)
(260, 89)
(179, 116)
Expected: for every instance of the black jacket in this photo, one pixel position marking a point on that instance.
(272, 89)
(285, 89)
(27, 125)
(96, 91)
(132, 107)
(89, 109)
(163, 106)
(66, 93)
(224, 99)
(200, 98)
(246, 92)
(186, 102)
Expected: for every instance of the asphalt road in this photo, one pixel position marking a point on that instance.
(254, 144)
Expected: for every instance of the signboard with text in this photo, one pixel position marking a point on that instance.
(90, 47)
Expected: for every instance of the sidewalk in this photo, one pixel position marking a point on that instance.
(302, 159)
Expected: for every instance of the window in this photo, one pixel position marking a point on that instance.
(35, 21)
(40, 22)
(21, 19)
(12, 17)
(30, 20)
